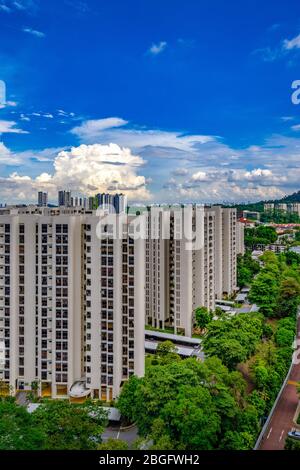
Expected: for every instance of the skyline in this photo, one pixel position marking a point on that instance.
(192, 111)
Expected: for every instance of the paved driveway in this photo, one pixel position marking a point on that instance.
(113, 431)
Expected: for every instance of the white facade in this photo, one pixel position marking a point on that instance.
(179, 279)
(71, 305)
(240, 238)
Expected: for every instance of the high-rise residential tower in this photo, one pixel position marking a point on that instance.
(71, 303)
(42, 199)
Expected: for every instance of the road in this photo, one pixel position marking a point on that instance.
(282, 419)
(129, 435)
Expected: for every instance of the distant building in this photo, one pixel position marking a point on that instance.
(112, 202)
(64, 198)
(282, 207)
(295, 249)
(240, 238)
(276, 247)
(179, 279)
(269, 207)
(251, 215)
(246, 222)
(291, 208)
(42, 199)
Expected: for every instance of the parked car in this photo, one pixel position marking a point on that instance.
(294, 434)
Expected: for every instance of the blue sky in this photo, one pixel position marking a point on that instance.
(164, 100)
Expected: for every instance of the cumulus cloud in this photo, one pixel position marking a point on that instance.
(172, 165)
(88, 169)
(199, 176)
(205, 167)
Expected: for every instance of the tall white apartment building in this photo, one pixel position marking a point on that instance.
(225, 250)
(181, 276)
(240, 238)
(269, 206)
(71, 305)
(73, 300)
(295, 208)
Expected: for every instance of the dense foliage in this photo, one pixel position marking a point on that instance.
(234, 340)
(261, 235)
(202, 317)
(221, 403)
(280, 217)
(276, 289)
(187, 404)
(55, 425)
(247, 268)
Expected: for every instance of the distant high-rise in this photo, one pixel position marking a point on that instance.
(42, 199)
(64, 198)
(178, 279)
(112, 202)
(120, 203)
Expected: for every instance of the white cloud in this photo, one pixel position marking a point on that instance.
(199, 176)
(156, 49)
(9, 127)
(112, 130)
(287, 118)
(92, 128)
(87, 169)
(23, 117)
(203, 168)
(34, 32)
(8, 104)
(296, 127)
(5, 155)
(293, 43)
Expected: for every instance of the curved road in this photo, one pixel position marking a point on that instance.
(282, 420)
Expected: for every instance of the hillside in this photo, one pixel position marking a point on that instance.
(295, 197)
(259, 206)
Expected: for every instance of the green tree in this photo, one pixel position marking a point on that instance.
(69, 426)
(192, 418)
(165, 353)
(284, 337)
(233, 340)
(288, 297)
(203, 317)
(230, 349)
(127, 399)
(235, 440)
(264, 292)
(113, 444)
(18, 430)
